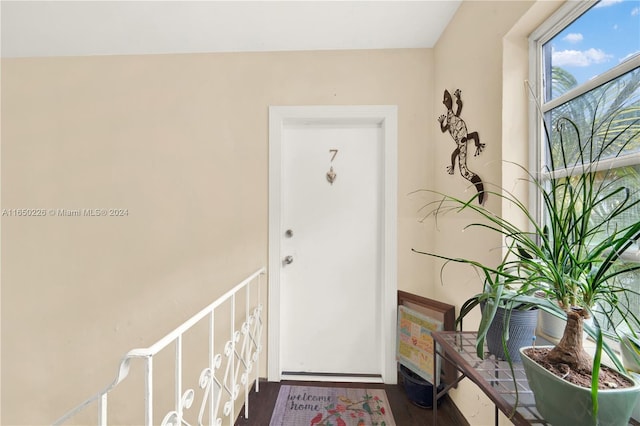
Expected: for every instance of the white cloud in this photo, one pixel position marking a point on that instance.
(579, 58)
(607, 3)
(635, 11)
(573, 38)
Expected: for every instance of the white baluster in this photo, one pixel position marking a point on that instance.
(148, 392)
(102, 410)
(212, 368)
(178, 373)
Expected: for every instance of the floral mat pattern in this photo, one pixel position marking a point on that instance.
(328, 406)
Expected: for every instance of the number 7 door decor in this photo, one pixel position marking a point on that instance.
(458, 130)
(331, 175)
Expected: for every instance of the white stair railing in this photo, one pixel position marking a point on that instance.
(225, 374)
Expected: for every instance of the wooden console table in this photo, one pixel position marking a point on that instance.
(493, 377)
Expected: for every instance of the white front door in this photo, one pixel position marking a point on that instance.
(328, 247)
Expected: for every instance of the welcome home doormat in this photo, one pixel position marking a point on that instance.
(328, 406)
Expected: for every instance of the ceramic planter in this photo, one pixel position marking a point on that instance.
(563, 403)
(636, 411)
(630, 348)
(522, 328)
(550, 325)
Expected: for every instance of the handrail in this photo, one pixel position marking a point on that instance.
(231, 352)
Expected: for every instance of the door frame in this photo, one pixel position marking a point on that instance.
(386, 116)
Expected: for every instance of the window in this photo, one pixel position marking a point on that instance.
(585, 74)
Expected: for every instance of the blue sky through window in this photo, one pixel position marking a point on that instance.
(600, 39)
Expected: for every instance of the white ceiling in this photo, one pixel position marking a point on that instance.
(75, 28)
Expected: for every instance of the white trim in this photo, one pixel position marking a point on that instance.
(562, 17)
(386, 117)
(613, 163)
(276, 119)
(610, 75)
(566, 14)
(324, 378)
(389, 315)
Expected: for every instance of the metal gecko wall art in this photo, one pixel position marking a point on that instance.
(458, 130)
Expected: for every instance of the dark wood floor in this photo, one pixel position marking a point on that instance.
(404, 411)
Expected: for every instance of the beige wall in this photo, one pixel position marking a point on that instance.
(469, 58)
(483, 52)
(181, 142)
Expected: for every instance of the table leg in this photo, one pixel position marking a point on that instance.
(434, 407)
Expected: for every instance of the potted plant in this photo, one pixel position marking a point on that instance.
(574, 256)
(551, 326)
(508, 323)
(630, 348)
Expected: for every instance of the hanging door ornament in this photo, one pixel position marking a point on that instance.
(331, 175)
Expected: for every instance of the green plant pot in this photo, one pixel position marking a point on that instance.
(563, 403)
